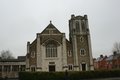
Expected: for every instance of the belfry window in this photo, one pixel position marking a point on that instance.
(51, 50)
(83, 25)
(77, 27)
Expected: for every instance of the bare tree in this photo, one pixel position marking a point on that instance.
(6, 54)
(116, 47)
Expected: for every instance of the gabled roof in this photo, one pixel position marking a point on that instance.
(113, 57)
(50, 27)
(98, 59)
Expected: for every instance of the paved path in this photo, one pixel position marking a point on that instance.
(104, 79)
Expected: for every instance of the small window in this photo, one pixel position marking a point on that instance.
(81, 39)
(69, 53)
(70, 67)
(33, 54)
(82, 52)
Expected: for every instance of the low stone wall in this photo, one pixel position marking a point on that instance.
(9, 74)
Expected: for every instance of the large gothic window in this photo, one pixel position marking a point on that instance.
(77, 27)
(51, 50)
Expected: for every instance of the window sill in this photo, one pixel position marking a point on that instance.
(52, 58)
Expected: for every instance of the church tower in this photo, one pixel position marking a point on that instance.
(79, 35)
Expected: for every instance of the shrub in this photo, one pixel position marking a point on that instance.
(75, 75)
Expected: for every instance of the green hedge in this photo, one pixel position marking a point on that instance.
(71, 75)
(41, 76)
(94, 74)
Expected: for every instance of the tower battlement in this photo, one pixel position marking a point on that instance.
(78, 17)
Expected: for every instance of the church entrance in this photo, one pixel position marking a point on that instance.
(51, 68)
(83, 66)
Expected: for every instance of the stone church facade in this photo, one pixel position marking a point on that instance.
(51, 51)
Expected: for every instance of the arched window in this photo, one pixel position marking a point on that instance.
(77, 27)
(51, 50)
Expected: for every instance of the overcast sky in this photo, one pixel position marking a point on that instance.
(20, 20)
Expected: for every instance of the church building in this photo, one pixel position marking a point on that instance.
(52, 52)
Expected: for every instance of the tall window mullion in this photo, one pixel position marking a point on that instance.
(49, 53)
(52, 51)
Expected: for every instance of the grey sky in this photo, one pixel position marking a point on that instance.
(20, 20)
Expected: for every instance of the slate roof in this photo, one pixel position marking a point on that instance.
(19, 59)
